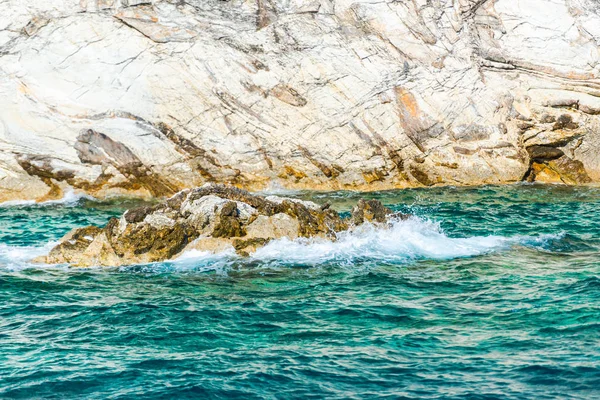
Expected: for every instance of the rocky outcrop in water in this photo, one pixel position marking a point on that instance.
(150, 97)
(211, 218)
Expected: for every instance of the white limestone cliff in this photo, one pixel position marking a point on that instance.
(149, 97)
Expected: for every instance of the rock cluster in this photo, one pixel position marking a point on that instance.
(210, 218)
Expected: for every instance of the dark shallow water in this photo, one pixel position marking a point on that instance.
(490, 293)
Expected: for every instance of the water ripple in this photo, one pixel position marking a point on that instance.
(490, 293)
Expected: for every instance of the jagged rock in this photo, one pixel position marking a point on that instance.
(210, 218)
(541, 172)
(571, 171)
(371, 211)
(147, 98)
(275, 226)
(559, 170)
(73, 244)
(565, 121)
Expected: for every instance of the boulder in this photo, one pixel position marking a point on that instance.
(210, 218)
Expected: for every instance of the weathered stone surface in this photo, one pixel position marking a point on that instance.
(73, 245)
(371, 211)
(275, 226)
(559, 170)
(315, 94)
(211, 218)
(570, 171)
(544, 153)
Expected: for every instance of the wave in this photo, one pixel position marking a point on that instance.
(403, 240)
(400, 242)
(18, 257)
(70, 198)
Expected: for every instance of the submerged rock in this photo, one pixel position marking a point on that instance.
(210, 218)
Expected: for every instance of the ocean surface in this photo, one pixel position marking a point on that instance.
(486, 293)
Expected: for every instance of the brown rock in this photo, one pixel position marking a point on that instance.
(143, 242)
(560, 170)
(544, 152)
(370, 211)
(565, 121)
(571, 171)
(246, 246)
(229, 225)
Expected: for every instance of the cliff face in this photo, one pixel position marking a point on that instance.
(149, 97)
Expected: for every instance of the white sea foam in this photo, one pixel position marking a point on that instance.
(70, 198)
(17, 203)
(404, 240)
(17, 257)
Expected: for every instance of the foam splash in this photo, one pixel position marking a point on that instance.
(402, 241)
(19, 257)
(70, 198)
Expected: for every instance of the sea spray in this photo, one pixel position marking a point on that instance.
(400, 241)
(19, 257)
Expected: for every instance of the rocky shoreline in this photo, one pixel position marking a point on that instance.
(147, 98)
(209, 218)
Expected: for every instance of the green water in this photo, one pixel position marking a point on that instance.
(489, 293)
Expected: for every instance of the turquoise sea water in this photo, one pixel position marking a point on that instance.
(488, 293)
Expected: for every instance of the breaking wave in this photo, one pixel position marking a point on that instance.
(402, 241)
